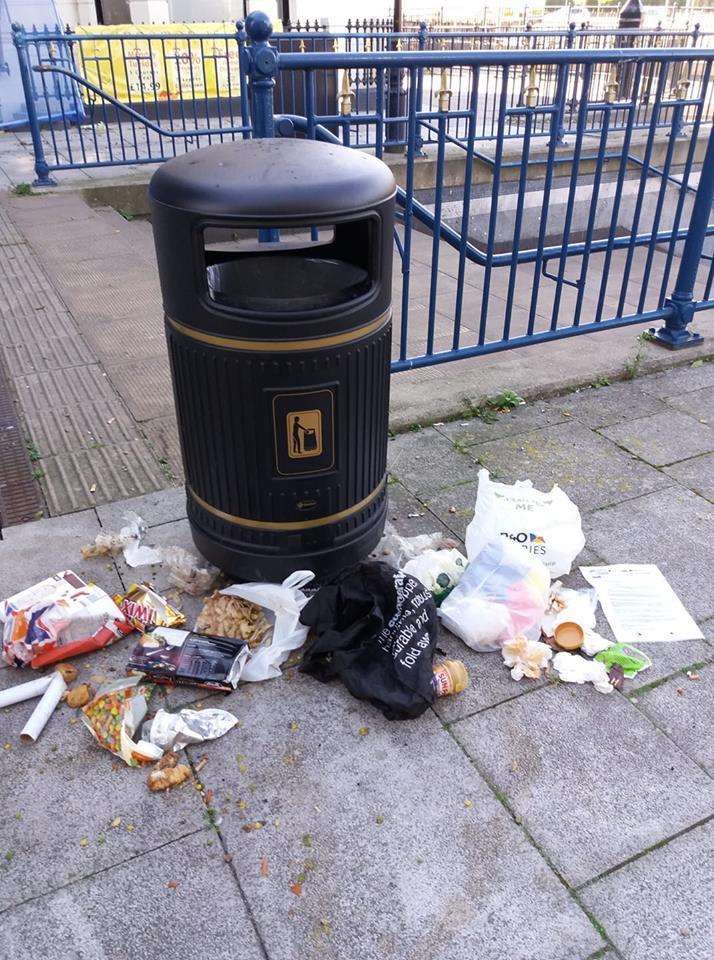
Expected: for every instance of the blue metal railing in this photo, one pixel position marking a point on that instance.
(522, 244)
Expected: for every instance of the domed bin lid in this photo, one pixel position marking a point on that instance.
(273, 179)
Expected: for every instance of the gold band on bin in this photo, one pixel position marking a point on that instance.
(289, 526)
(282, 346)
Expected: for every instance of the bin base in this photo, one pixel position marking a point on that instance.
(244, 563)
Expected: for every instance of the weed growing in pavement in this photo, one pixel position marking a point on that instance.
(22, 190)
(38, 474)
(634, 364)
(166, 469)
(33, 450)
(602, 382)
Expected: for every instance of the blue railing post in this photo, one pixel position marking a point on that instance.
(262, 62)
(561, 89)
(674, 333)
(19, 38)
(419, 144)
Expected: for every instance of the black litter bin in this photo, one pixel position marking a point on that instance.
(275, 259)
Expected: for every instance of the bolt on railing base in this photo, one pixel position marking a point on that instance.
(674, 335)
(675, 339)
(44, 181)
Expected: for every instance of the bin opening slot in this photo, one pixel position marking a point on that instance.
(307, 268)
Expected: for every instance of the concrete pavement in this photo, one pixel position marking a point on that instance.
(521, 819)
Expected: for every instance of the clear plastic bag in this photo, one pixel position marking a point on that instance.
(397, 550)
(503, 592)
(283, 602)
(546, 525)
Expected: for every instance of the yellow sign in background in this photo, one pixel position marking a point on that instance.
(182, 65)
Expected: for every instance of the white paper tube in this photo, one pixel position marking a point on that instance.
(25, 691)
(44, 709)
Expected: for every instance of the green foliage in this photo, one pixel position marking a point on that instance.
(22, 190)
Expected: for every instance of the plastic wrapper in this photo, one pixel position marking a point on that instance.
(128, 541)
(576, 606)
(546, 525)
(186, 658)
(629, 658)
(280, 604)
(144, 608)
(438, 570)
(114, 715)
(174, 731)
(397, 550)
(594, 643)
(572, 668)
(187, 573)
(58, 618)
(375, 628)
(526, 658)
(502, 593)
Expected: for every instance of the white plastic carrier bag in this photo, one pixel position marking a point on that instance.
(547, 525)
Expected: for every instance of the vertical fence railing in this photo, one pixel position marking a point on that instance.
(612, 215)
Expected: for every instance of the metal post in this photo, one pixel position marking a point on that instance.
(419, 144)
(243, 67)
(674, 333)
(262, 62)
(42, 168)
(561, 90)
(396, 97)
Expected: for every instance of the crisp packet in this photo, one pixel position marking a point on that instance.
(144, 608)
(58, 618)
(186, 658)
(114, 715)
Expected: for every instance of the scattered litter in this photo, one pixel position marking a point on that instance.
(693, 675)
(593, 643)
(168, 773)
(503, 592)
(640, 605)
(629, 658)
(187, 573)
(44, 709)
(572, 668)
(264, 868)
(414, 516)
(114, 715)
(58, 618)
(279, 605)
(547, 525)
(128, 541)
(78, 696)
(24, 691)
(185, 658)
(375, 628)
(228, 616)
(397, 550)
(174, 731)
(145, 608)
(617, 676)
(570, 615)
(526, 657)
(438, 570)
(68, 671)
(450, 677)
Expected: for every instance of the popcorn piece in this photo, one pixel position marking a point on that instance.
(526, 657)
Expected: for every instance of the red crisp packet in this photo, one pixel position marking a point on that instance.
(59, 618)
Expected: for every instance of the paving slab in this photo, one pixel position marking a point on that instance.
(375, 828)
(69, 428)
(697, 474)
(591, 469)
(162, 506)
(671, 528)
(163, 438)
(684, 709)
(659, 906)
(64, 789)
(426, 462)
(32, 551)
(607, 405)
(74, 481)
(592, 779)
(697, 403)
(89, 919)
(145, 387)
(663, 438)
(521, 419)
(679, 380)
(455, 505)
(672, 658)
